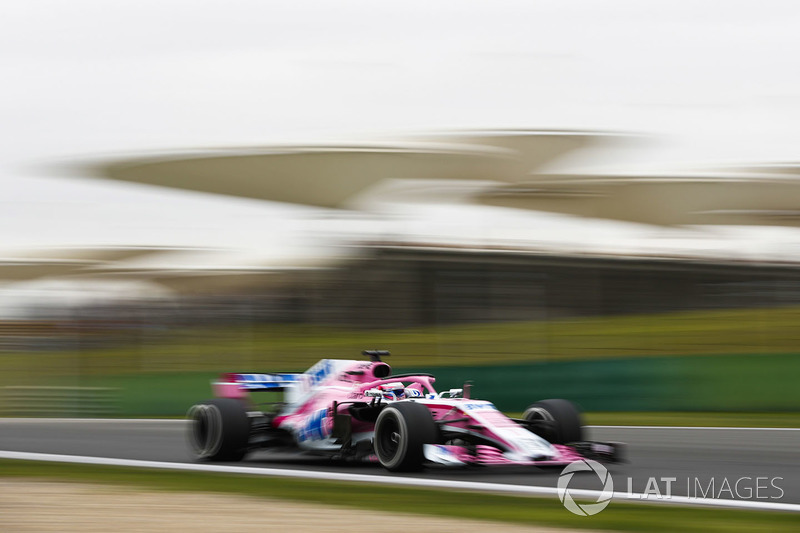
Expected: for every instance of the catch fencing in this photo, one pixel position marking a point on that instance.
(58, 401)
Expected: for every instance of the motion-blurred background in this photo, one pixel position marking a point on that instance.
(596, 201)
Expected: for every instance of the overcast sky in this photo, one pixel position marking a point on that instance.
(717, 80)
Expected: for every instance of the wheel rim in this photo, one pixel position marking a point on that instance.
(389, 438)
(205, 433)
(538, 413)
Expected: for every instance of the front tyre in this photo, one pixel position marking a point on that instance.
(401, 431)
(558, 421)
(219, 430)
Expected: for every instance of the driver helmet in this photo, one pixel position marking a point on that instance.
(393, 391)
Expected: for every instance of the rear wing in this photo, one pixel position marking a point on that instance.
(238, 386)
(257, 382)
(297, 386)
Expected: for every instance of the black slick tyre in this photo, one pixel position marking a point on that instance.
(560, 418)
(218, 430)
(401, 431)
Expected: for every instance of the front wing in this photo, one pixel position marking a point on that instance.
(451, 455)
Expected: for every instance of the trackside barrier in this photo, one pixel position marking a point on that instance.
(58, 401)
(737, 382)
(734, 383)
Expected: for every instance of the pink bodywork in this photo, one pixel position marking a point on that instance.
(489, 455)
(310, 416)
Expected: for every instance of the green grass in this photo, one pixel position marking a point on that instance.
(293, 347)
(529, 511)
(732, 360)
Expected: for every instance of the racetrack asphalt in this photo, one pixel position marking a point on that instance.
(705, 462)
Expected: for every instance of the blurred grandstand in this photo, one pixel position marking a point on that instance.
(676, 248)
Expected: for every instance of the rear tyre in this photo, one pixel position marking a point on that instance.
(401, 432)
(219, 430)
(558, 421)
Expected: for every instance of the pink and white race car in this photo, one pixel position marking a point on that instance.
(350, 409)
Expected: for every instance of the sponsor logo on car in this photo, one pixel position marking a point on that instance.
(478, 406)
(265, 381)
(315, 427)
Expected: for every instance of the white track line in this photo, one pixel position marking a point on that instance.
(91, 420)
(696, 427)
(503, 488)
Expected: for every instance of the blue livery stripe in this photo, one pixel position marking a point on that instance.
(266, 381)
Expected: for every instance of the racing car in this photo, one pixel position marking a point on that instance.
(358, 410)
